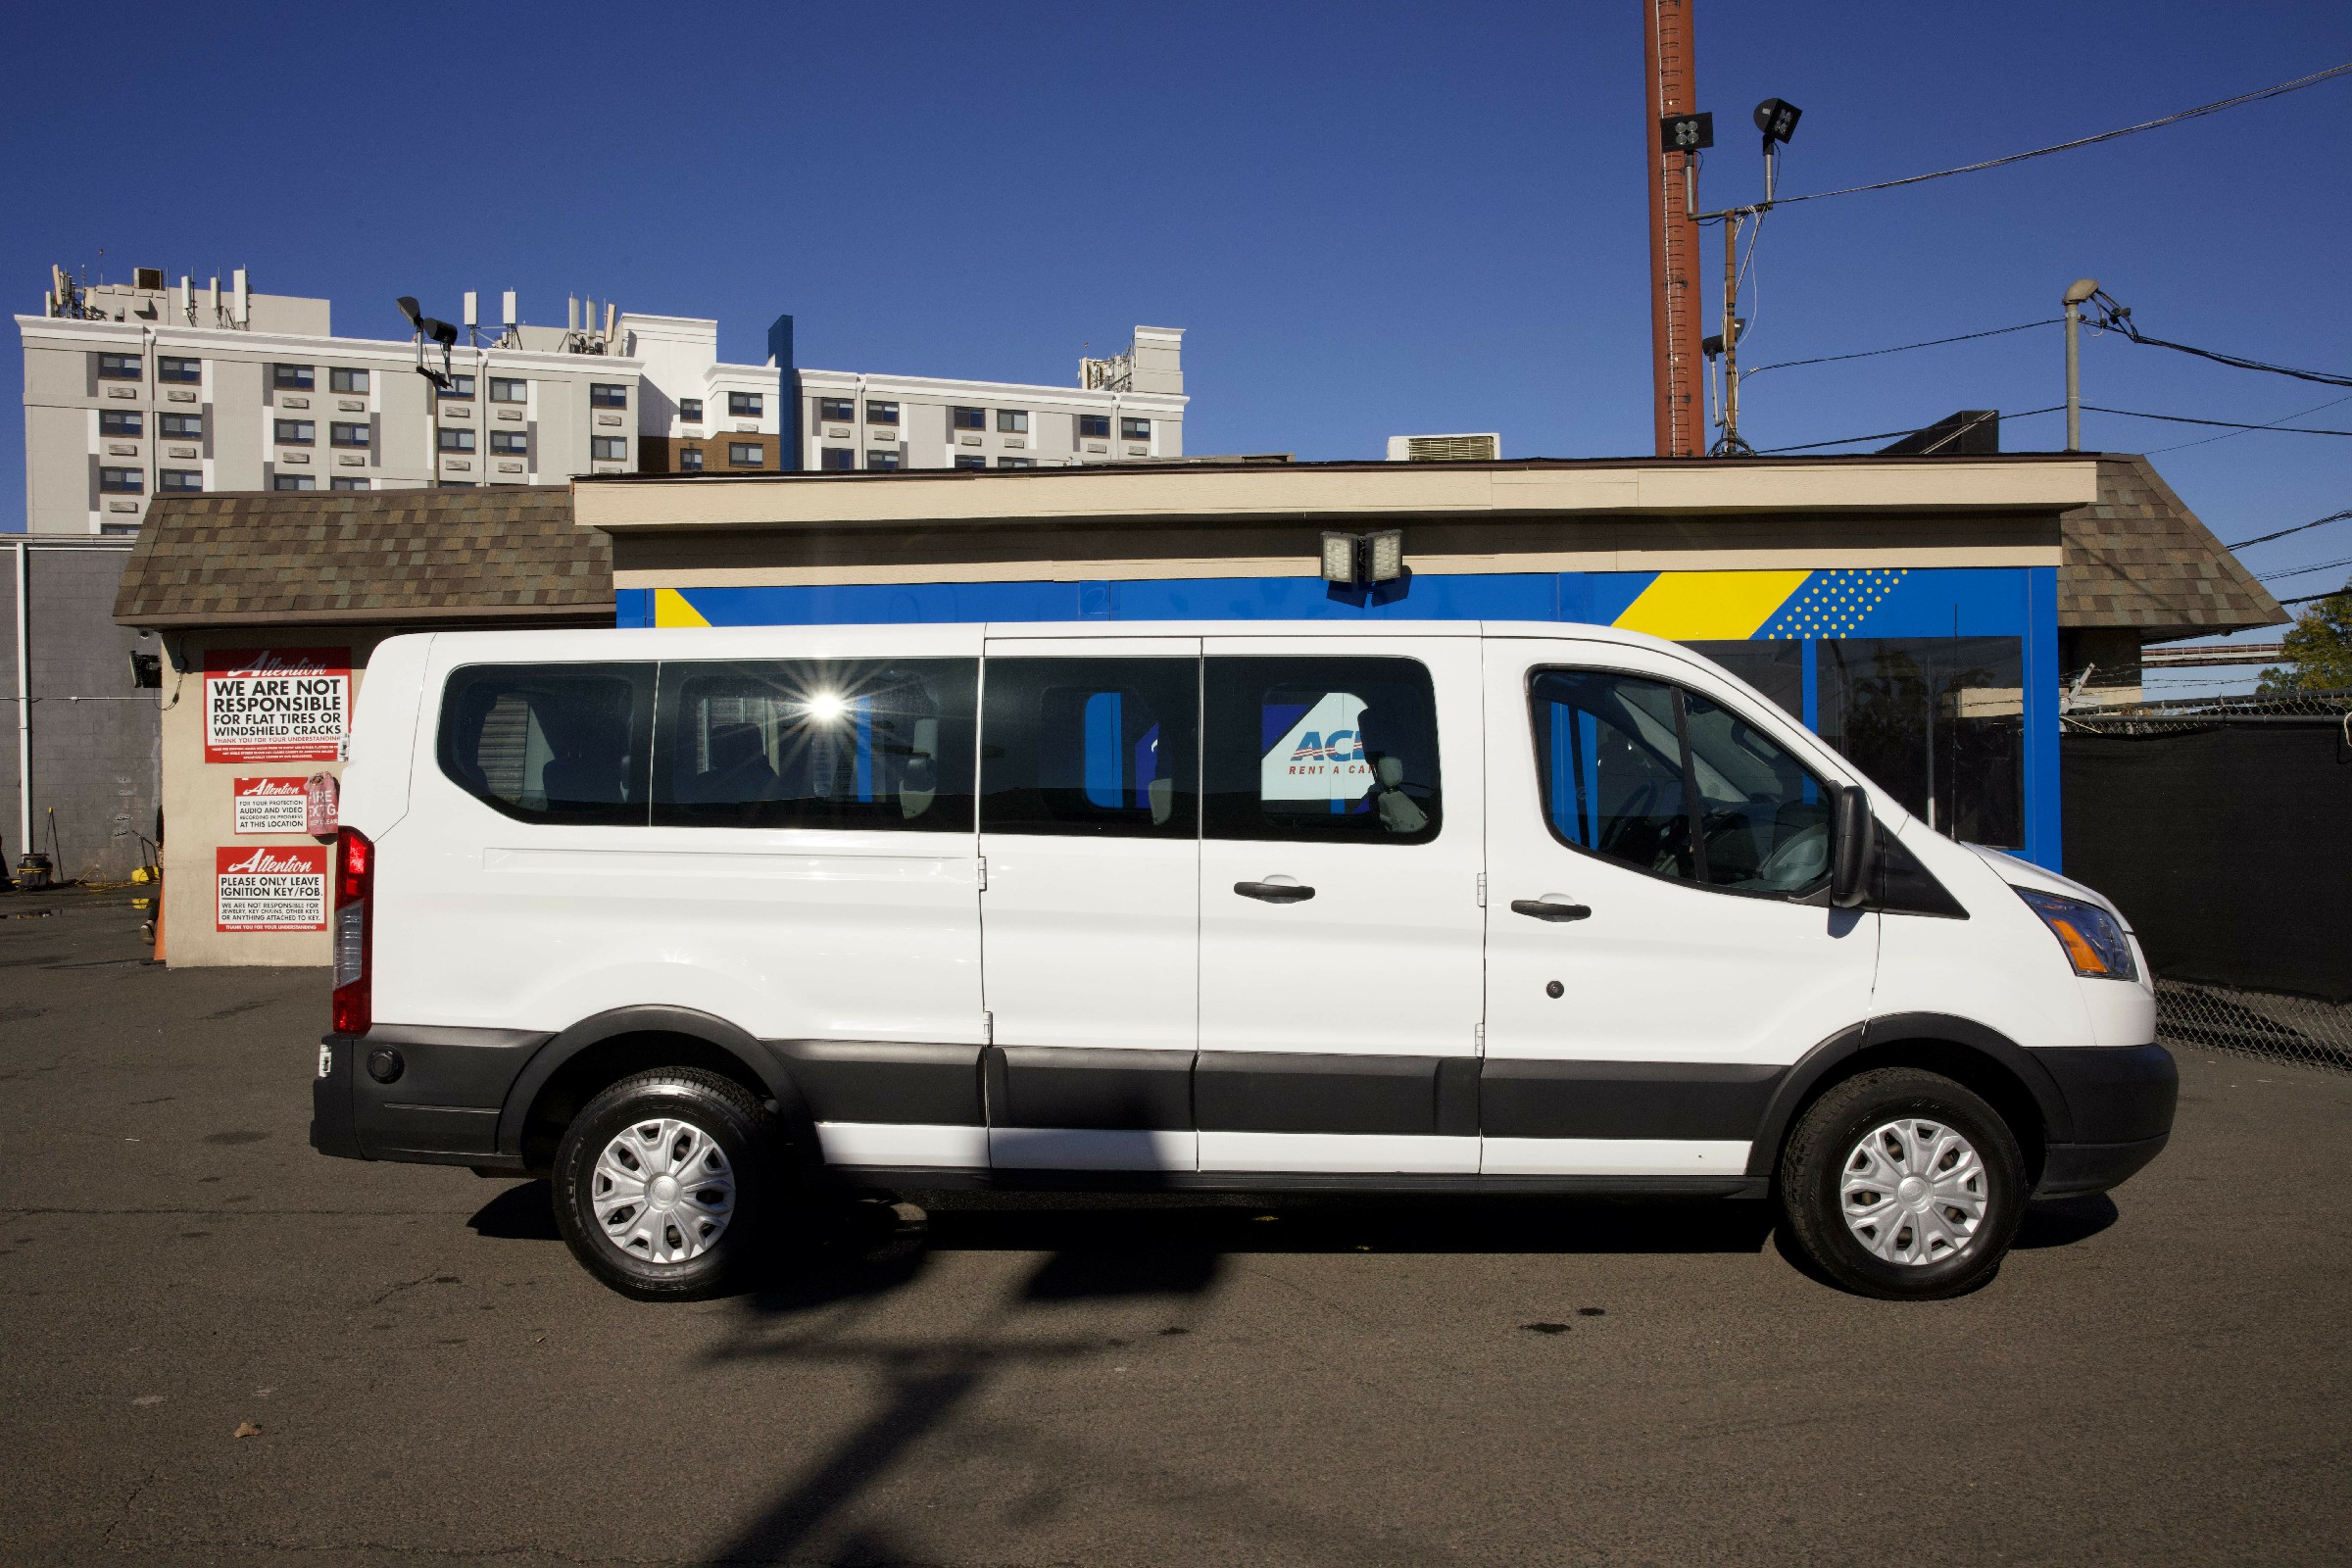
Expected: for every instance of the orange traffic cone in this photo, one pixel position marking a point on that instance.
(159, 922)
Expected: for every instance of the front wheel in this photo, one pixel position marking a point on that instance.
(665, 1183)
(1903, 1185)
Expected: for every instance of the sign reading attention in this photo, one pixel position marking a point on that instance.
(271, 889)
(276, 704)
(270, 804)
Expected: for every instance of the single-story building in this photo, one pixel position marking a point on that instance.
(1920, 614)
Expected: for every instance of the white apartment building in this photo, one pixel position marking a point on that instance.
(139, 390)
(1127, 408)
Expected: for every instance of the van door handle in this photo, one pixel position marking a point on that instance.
(1275, 892)
(1551, 909)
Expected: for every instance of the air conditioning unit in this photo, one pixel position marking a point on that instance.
(1485, 448)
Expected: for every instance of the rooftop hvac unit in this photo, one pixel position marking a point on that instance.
(1484, 448)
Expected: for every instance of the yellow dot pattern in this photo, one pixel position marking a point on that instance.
(1832, 604)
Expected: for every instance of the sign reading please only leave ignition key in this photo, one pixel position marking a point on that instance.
(266, 887)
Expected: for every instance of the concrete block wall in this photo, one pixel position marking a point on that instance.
(96, 746)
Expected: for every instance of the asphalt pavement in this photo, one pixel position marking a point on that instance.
(424, 1375)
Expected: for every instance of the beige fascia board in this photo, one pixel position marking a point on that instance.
(1297, 494)
(1130, 570)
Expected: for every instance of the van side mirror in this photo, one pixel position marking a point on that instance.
(1853, 845)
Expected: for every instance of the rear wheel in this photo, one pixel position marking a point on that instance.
(667, 1183)
(1903, 1185)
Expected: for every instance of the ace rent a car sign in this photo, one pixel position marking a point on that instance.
(276, 704)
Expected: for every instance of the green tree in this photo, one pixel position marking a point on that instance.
(2319, 648)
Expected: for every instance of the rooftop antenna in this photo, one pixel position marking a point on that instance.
(474, 317)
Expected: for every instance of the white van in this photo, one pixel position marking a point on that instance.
(703, 923)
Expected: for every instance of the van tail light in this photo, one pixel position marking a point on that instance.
(355, 931)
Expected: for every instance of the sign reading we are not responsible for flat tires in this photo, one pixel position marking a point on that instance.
(276, 704)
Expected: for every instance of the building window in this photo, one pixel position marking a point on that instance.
(882, 462)
(507, 389)
(833, 409)
(972, 461)
(512, 442)
(968, 418)
(748, 455)
(122, 481)
(293, 481)
(293, 377)
(881, 414)
(609, 448)
(1012, 421)
(181, 479)
(458, 390)
(339, 483)
(296, 432)
(1135, 429)
(347, 435)
(690, 410)
(1939, 722)
(1096, 425)
(457, 440)
(119, 367)
(169, 369)
(690, 459)
(342, 381)
(837, 459)
(118, 421)
(747, 405)
(1017, 463)
(608, 394)
(183, 427)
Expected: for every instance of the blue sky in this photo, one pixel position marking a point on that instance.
(1372, 218)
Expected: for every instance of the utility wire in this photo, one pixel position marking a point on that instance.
(1901, 348)
(2305, 599)
(1890, 435)
(2227, 425)
(2232, 435)
(2300, 82)
(2264, 539)
(2297, 572)
(2117, 318)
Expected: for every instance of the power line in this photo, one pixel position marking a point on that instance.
(2296, 85)
(2305, 599)
(1901, 348)
(1890, 435)
(2297, 572)
(2119, 319)
(2264, 539)
(2232, 435)
(2227, 425)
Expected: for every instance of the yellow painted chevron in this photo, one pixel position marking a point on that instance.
(670, 608)
(1694, 606)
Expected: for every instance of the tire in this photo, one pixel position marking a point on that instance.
(1857, 1205)
(713, 1198)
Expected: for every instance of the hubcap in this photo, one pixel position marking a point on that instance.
(1913, 1192)
(664, 1192)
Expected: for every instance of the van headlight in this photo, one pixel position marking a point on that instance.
(2094, 940)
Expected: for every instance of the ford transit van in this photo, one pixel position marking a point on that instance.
(707, 924)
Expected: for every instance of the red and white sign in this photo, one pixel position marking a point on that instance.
(276, 704)
(272, 804)
(270, 889)
(320, 795)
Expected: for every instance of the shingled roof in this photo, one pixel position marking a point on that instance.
(403, 556)
(2138, 557)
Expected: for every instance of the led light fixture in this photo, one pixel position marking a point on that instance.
(1339, 559)
(1385, 554)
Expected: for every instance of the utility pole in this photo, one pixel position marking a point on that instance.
(2080, 289)
(1669, 51)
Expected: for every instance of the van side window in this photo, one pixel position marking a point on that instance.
(1321, 748)
(816, 744)
(1674, 784)
(1091, 745)
(551, 743)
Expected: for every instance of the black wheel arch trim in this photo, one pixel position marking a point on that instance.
(716, 1032)
(1797, 1085)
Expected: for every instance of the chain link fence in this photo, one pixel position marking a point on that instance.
(2205, 1012)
